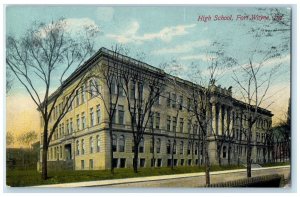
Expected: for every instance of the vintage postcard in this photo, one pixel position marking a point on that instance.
(148, 96)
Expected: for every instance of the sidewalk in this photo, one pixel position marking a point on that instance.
(147, 179)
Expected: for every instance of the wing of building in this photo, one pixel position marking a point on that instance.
(82, 141)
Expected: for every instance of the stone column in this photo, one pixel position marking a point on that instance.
(231, 123)
(225, 121)
(214, 118)
(220, 122)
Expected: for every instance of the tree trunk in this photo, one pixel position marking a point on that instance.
(249, 151)
(111, 147)
(44, 154)
(207, 164)
(153, 149)
(135, 158)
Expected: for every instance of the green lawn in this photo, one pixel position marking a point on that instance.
(20, 178)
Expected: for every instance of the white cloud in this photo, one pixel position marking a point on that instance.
(202, 57)
(166, 34)
(105, 13)
(182, 48)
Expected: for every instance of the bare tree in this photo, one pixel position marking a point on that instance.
(43, 57)
(254, 83)
(142, 86)
(109, 73)
(10, 138)
(27, 138)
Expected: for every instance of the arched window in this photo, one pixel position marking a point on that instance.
(114, 143)
(82, 147)
(151, 146)
(98, 143)
(121, 143)
(91, 145)
(189, 148)
(168, 147)
(224, 151)
(181, 147)
(141, 145)
(77, 147)
(158, 145)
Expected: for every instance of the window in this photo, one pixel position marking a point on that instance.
(83, 93)
(168, 123)
(114, 143)
(92, 117)
(174, 147)
(151, 146)
(189, 102)
(62, 129)
(78, 122)
(115, 162)
(168, 147)
(132, 89)
(98, 143)
(175, 162)
(82, 147)
(158, 144)
(169, 162)
(114, 113)
(189, 126)
(121, 114)
(113, 86)
(189, 162)
(156, 100)
(173, 100)
(195, 129)
(141, 145)
(91, 145)
(98, 114)
(157, 121)
(181, 147)
(182, 162)
(82, 164)
(224, 151)
(77, 98)
(83, 120)
(122, 163)
(68, 128)
(60, 151)
(140, 90)
(77, 147)
(152, 162)
(93, 87)
(142, 162)
(181, 125)
(122, 143)
(196, 148)
(71, 125)
(174, 124)
(91, 164)
(189, 148)
(159, 163)
(180, 102)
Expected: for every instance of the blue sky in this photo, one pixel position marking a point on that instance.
(164, 33)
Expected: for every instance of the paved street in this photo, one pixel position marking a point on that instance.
(177, 180)
(198, 181)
